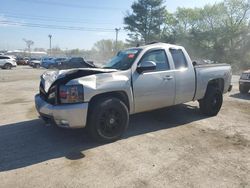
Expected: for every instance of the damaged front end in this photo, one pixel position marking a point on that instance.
(51, 81)
(52, 102)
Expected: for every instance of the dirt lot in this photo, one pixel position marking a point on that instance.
(174, 147)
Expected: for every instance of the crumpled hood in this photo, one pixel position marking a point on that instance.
(50, 77)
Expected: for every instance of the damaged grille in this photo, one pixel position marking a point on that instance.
(49, 97)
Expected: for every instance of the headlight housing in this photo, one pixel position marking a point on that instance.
(71, 94)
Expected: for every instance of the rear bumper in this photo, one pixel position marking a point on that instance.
(66, 116)
(245, 82)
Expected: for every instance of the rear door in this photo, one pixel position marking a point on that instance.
(154, 89)
(184, 76)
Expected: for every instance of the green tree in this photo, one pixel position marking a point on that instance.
(146, 21)
(169, 31)
(219, 32)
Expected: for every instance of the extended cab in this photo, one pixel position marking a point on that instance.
(136, 80)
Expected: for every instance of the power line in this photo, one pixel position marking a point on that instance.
(54, 26)
(53, 19)
(46, 2)
(49, 26)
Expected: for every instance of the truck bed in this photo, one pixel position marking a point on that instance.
(206, 72)
(210, 65)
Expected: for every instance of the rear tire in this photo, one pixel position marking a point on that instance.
(211, 104)
(243, 89)
(107, 120)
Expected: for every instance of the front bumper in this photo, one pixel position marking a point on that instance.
(66, 116)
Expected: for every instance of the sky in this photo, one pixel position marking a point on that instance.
(72, 23)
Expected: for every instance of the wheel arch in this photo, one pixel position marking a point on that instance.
(7, 63)
(217, 83)
(121, 95)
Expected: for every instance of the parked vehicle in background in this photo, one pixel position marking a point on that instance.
(22, 61)
(35, 62)
(7, 62)
(53, 63)
(74, 62)
(46, 60)
(244, 83)
(136, 80)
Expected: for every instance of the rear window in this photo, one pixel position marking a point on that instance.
(178, 58)
(76, 60)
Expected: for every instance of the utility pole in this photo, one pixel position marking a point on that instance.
(116, 38)
(50, 36)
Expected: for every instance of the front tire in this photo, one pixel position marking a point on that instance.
(37, 66)
(7, 66)
(211, 104)
(107, 120)
(243, 89)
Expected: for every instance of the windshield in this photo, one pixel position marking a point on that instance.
(123, 60)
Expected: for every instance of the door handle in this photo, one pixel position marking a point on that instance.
(167, 78)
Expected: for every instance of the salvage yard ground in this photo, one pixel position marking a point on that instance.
(173, 147)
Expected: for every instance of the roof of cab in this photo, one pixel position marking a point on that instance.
(158, 45)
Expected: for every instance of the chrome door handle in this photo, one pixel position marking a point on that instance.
(168, 78)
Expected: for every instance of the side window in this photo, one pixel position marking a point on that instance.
(179, 58)
(76, 60)
(72, 60)
(159, 57)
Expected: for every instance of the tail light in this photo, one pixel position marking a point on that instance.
(71, 94)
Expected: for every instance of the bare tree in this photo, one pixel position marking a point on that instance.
(29, 43)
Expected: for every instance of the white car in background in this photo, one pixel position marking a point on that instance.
(35, 62)
(7, 62)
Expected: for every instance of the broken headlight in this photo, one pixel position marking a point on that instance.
(71, 94)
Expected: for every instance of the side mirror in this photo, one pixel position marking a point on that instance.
(194, 63)
(146, 66)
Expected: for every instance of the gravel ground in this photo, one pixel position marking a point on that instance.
(173, 147)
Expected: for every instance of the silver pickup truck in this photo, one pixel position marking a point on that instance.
(135, 80)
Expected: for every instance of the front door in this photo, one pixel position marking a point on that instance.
(154, 89)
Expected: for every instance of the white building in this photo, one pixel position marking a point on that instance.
(26, 53)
